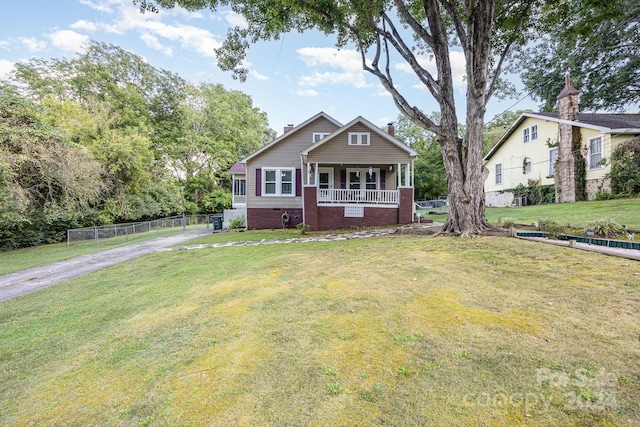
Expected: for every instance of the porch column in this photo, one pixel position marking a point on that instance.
(413, 172)
(316, 177)
(399, 175)
(407, 174)
(308, 173)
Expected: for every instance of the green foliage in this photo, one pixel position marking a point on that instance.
(580, 176)
(550, 226)
(625, 168)
(430, 175)
(109, 139)
(302, 227)
(216, 201)
(534, 192)
(597, 42)
(507, 222)
(606, 227)
(237, 223)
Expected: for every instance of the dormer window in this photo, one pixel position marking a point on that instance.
(317, 136)
(359, 138)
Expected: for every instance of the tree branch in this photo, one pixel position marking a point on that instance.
(505, 52)
(457, 22)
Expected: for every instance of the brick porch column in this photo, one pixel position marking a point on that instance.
(311, 207)
(405, 206)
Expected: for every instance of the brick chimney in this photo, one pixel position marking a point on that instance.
(568, 144)
(390, 129)
(287, 128)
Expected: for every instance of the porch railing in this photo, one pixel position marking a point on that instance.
(379, 197)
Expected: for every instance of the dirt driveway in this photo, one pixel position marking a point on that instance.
(22, 282)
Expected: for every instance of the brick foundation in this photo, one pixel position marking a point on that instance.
(263, 218)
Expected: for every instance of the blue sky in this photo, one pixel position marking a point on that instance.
(291, 79)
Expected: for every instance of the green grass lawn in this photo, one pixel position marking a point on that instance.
(624, 211)
(401, 331)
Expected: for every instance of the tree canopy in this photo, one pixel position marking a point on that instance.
(597, 42)
(106, 137)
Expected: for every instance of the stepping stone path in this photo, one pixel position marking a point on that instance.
(366, 234)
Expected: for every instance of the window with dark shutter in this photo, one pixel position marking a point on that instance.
(343, 179)
(298, 182)
(383, 179)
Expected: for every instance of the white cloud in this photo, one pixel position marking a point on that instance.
(306, 92)
(347, 62)
(152, 42)
(235, 19)
(68, 40)
(5, 68)
(84, 25)
(99, 5)
(458, 67)
(189, 36)
(256, 75)
(33, 44)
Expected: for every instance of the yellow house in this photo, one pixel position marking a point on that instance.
(532, 151)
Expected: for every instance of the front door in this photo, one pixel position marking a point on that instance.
(325, 178)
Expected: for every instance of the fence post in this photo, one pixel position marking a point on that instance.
(96, 232)
(184, 222)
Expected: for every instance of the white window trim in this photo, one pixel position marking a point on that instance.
(242, 184)
(320, 135)
(550, 163)
(530, 133)
(278, 192)
(596, 166)
(359, 138)
(501, 174)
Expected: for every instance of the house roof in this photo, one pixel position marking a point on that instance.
(368, 124)
(603, 122)
(238, 167)
(292, 131)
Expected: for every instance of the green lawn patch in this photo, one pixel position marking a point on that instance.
(388, 331)
(624, 211)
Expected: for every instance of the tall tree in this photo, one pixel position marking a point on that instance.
(484, 30)
(46, 183)
(597, 42)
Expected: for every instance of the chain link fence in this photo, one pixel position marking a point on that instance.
(123, 231)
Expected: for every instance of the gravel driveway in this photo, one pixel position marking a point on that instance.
(22, 282)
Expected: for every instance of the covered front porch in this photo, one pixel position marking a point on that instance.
(368, 184)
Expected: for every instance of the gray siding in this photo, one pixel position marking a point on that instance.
(286, 153)
(338, 151)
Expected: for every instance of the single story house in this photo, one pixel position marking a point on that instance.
(541, 147)
(328, 176)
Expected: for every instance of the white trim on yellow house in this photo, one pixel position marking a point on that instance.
(512, 153)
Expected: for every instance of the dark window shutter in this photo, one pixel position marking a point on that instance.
(343, 179)
(383, 179)
(298, 182)
(258, 182)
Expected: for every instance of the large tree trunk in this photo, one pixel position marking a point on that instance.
(463, 159)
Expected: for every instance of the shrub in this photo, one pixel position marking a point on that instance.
(606, 227)
(507, 222)
(550, 226)
(302, 227)
(237, 223)
(625, 167)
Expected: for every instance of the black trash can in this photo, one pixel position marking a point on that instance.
(217, 223)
